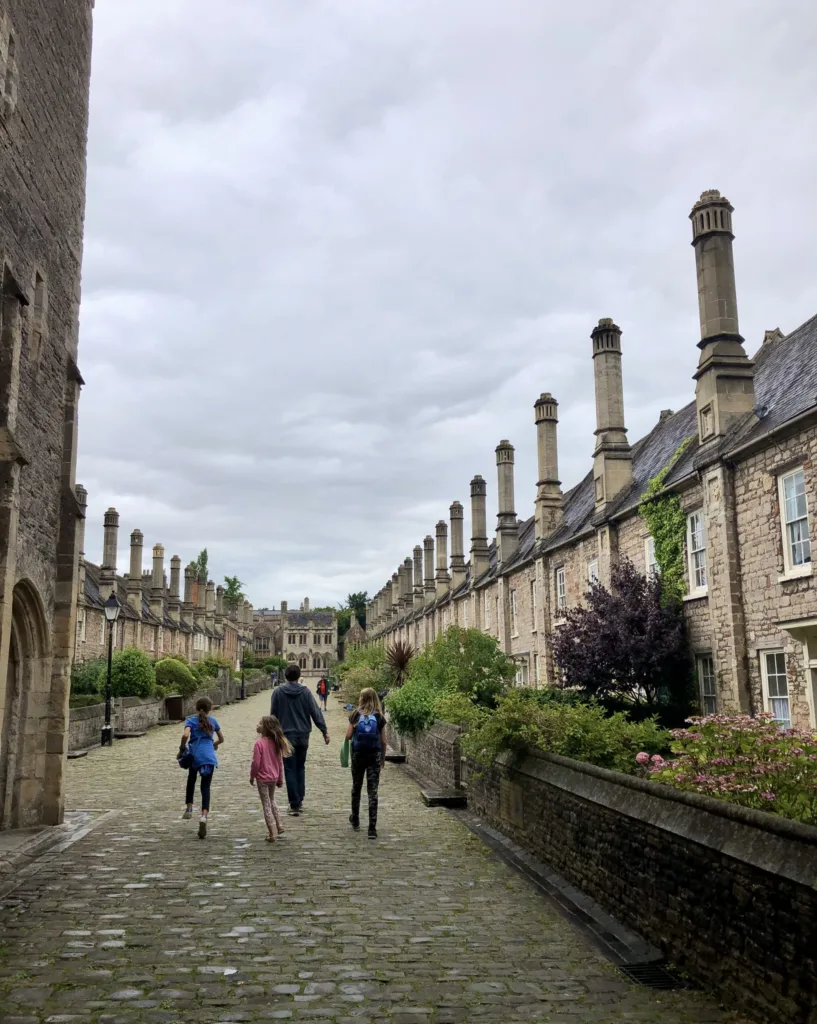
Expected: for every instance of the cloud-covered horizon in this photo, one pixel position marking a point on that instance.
(334, 254)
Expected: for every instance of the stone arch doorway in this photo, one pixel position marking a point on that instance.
(24, 729)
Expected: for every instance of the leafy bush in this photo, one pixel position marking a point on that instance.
(412, 708)
(358, 679)
(177, 657)
(87, 677)
(747, 761)
(207, 668)
(464, 661)
(276, 664)
(85, 700)
(459, 709)
(584, 732)
(174, 677)
(132, 674)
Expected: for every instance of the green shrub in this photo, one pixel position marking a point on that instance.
(357, 679)
(207, 669)
(174, 677)
(176, 657)
(459, 709)
(87, 677)
(132, 674)
(84, 700)
(465, 661)
(411, 709)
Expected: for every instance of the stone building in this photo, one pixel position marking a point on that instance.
(45, 61)
(305, 638)
(746, 481)
(157, 616)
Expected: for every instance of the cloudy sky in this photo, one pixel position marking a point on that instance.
(336, 248)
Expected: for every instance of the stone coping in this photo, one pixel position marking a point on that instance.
(766, 841)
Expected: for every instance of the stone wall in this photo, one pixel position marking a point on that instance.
(728, 894)
(434, 754)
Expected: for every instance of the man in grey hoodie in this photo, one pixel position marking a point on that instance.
(296, 709)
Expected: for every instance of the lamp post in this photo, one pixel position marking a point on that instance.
(112, 609)
(243, 641)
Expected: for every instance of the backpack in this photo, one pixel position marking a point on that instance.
(367, 734)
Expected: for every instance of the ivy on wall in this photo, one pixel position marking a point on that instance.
(666, 522)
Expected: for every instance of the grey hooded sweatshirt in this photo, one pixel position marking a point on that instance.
(296, 709)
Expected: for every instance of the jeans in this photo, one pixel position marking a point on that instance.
(295, 773)
(368, 765)
(206, 783)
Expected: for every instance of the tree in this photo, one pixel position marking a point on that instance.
(233, 594)
(627, 647)
(200, 564)
(398, 658)
(132, 674)
(357, 603)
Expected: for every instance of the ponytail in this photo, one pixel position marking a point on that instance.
(204, 706)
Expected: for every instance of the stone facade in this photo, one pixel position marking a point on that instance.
(305, 638)
(155, 616)
(747, 480)
(45, 60)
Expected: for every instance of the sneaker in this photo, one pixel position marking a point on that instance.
(354, 823)
(188, 814)
(293, 811)
(372, 832)
(202, 828)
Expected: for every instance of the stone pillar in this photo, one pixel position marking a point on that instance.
(724, 391)
(612, 458)
(418, 577)
(174, 604)
(429, 587)
(157, 590)
(135, 574)
(443, 580)
(107, 571)
(457, 514)
(210, 606)
(187, 607)
(507, 529)
(550, 502)
(479, 529)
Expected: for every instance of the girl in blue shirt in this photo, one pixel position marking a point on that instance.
(204, 735)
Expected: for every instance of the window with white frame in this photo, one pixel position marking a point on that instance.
(514, 615)
(707, 684)
(696, 550)
(522, 672)
(561, 590)
(776, 686)
(534, 627)
(794, 511)
(649, 557)
(593, 571)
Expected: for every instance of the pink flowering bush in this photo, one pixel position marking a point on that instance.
(748, 761)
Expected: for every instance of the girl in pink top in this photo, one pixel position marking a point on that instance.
(267, 769)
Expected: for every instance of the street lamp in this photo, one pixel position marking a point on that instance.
(112, 609)
(243, 640)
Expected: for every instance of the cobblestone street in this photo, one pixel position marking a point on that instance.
(141, 921)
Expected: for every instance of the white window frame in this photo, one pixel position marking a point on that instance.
(650, 563)
(792, 567)
(560, 583)
(707, 684)
(697, 566)
(514, 613)
(522, 675)
(533, 608)
(776, 702)
(593, 571)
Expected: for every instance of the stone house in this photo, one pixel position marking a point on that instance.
(155, 617)
(745, 477)
(305, 638)
(45, 63)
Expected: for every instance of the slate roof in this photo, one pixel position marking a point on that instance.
(323, 620)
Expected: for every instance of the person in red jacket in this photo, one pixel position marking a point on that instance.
(267, 769)
(323, 692)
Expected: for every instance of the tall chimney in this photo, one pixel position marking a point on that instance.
(550, 502)
(408, 576)
(418, 577)
(613, 458)
(219, 607)
(201, 602)
(401, 590)
(187, 607)
(157, 590)
(135, 574)
(507, 529)
(395, 596)
(443, 579)
(387, 604)
(174, 603)
(479, 529)
(429, 587)
(456, 514)
(210, 606)
(107, 571)
(724, 390)
(82, 500)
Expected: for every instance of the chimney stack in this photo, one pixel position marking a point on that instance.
(725, 389)
(157, 590)
(457, 515)
(401, 590)
(479, 529)
(107, 571)
(428, 569)
(408, 573)
(507, 528)
(386, 616)
(82, 500)
(395, 596)
(612, 458)
(187, 607)
(135, 575)
(550, 502)
(200, 613)
(443, 579)
(174, 603)
(210, 606)
(219, 608)
(418, 577)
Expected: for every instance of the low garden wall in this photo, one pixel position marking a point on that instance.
(727, 893)
(434, 754)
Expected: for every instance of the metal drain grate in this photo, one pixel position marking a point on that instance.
(653, 975)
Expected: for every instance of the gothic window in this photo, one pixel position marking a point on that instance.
(316, 662)
(302, 661)
(794, 508)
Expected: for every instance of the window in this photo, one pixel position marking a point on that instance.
(707, 685)
(514, 617)
(593, 571)
(696, 548)
(328, 638)
(707, 423)
(649, 557)
(465, 613)
(81, 625)
(561, 590)
(487, 609)
(776, 686)
(522, 672)
(292, 639)
(533, 605)
(151, 639)
(794, 507)
(302, 661)
(317, 640)
(302, 642)
(316, 663)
